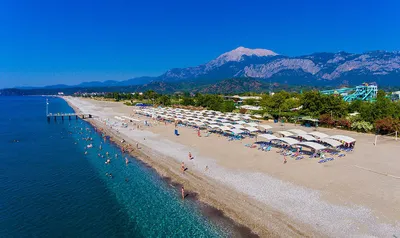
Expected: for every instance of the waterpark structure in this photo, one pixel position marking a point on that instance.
(364, 92)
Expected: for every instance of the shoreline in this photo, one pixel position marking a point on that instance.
(250, 218)
(255, 189)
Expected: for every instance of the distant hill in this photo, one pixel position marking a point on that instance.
(237, 85)
(266, 66)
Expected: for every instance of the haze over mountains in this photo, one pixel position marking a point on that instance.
(324, 69)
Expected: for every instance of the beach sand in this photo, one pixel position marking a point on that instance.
(356, 195)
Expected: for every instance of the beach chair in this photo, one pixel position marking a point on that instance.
(299, 157)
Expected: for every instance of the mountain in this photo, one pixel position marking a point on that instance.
(236, 85)
(316, 69)
(113, 83)
(225, 66)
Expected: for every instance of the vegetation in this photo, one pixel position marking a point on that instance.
(381, 116)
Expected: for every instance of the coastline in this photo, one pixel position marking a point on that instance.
(250, 217)
(254, 188)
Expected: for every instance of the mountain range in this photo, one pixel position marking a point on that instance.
(316, 69)
(266, 66)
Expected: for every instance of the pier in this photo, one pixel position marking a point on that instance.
(63, 116)
(68, 116)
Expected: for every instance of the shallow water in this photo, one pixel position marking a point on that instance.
(51, 188)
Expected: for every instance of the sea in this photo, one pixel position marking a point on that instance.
(49, 187)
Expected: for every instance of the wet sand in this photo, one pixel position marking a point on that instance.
(254, 188)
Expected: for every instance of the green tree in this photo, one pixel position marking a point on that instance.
(164, 100)
(250, 101)
(312, 103)
(188, 101)
(228, 106)
(290, 103)
(383, 107)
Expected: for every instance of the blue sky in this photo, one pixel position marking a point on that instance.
(57, 41)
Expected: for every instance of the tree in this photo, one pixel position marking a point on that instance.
(312, 103)
(355, 106)
(188, 101)
(250, 101)
(290, 103)
(164, 100)
(383, 107)
(278, 99)
(116, 96)
(228, 106)
(266, 101)
(333, 105)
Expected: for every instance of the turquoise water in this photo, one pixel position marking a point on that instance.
(50, 188)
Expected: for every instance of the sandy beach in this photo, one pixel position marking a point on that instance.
(356, 195)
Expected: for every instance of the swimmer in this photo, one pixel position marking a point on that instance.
(126, 180)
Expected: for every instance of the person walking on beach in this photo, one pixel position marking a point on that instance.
(183, 192)
(183, 167)
(284, 159)
(190, 156)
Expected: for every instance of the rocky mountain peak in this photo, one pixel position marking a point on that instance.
(237, 55)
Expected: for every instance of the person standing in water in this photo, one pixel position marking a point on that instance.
(183, 192)
(190, 156)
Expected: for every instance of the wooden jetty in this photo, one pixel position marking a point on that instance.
(68, 116)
